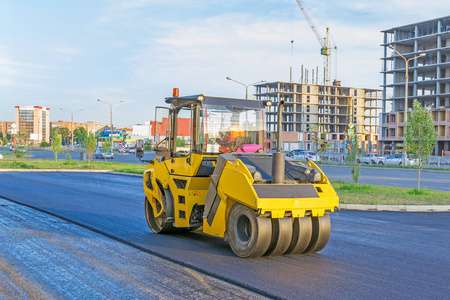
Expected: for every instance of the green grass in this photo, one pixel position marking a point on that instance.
(65, 164)
(382, 195)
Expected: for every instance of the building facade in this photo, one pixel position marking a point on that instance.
(312, 109)
(5, 128)
(426, 47)
(34, 121)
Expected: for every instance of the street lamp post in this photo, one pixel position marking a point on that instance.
(110, 112)
(407, 60)
(71, 125)
(246, 85)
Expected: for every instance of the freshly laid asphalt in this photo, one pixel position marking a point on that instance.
(45, 257)
(370, 254)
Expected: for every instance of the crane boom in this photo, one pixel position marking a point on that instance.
(311, 24)
(324, 43)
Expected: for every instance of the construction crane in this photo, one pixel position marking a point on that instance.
(324, 42)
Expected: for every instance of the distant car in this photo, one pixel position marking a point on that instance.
(107, 155)
(132, 149)
(100, 154)
(304, 155)
(371, 158)
(397, 159)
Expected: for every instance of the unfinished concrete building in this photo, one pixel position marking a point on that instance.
(426, 45)
(310, 109)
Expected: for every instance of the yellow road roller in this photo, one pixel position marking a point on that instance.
(213, 171)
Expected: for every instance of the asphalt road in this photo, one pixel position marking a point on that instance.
(430, 179)
(370, 254)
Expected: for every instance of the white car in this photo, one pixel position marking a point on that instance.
(1, 156)
(371, 158)
(304, 155)
(397, 160)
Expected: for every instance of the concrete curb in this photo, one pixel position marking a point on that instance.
(403, 208)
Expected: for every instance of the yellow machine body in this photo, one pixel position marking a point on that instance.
(211, 180)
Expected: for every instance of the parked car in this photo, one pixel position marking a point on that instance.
(371, 158)
(304, 155)
(108, 154)
(132, 149)
(100, 154)
(397, 159)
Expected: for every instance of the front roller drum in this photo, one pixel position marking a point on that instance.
(321, 228)
(301, 235)
(281, 236)
(248, 235)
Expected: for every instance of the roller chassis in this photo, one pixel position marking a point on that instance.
(263, 204)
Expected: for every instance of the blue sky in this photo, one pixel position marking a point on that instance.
(67, 54)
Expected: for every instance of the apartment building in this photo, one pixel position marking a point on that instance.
(5, 127)
(426, 47)
(310, 109)
(35, 121)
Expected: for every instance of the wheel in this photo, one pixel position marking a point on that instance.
(281, 236)
(159, 224)
(372, 162)
(358, 161)
(301, 235)
(381, 163)
(248, 235)
(321, 228)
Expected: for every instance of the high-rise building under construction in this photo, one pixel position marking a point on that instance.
(416, 65)
(311, 110)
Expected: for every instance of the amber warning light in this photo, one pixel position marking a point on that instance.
(176, 92)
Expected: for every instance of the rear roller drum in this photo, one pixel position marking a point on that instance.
(159, 224)
(248, 235)
(301, 235)
(281, 236)
(321, 228)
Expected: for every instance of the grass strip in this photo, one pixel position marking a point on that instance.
(384, 195)
(71, 165)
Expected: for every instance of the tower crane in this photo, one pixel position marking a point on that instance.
(324, 42)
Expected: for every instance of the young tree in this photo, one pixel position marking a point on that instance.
(320, 140)
(106, 147)
(352, 158)
(56, 145)
(90, 144)
(420, 136)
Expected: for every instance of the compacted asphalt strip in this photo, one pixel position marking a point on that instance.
(48, 257)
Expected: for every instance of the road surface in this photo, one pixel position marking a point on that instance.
(370, 254)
